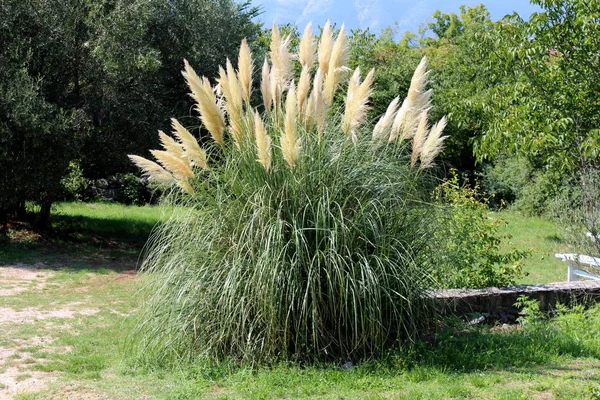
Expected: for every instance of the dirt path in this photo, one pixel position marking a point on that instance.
(19, 352)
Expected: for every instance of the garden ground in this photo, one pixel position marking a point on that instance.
(65, 302)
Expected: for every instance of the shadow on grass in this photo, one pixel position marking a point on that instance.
(78, 242)
(517, 347)
(126, 231)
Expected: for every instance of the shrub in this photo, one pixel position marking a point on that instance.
(464, 249)
(532, 191)
(74, 184)
(296, 232)
(131, 190)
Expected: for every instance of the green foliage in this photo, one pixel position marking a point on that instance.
(549, 103)
(79, 76)
(36, 143)
(131, 190)
(531, 310)
(464, 250)
(74, 184)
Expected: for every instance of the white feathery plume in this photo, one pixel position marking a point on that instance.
(290, 144)
(245, 69)
(420, 137)
(356, 103)
(303, 87)
(325, 47)
(229, 86)
(192, 150)
(170, 145)
(417, 100)
(281, 65)
(433, 144)
(306, 54)
(235, 88)
(179, 167)
(265, 86)
(317, 100)
(337, 65)
(263, 142)
(206, 103)
(153, 171)
(381, 130)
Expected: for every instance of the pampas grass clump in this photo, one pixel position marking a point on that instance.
(297, 228)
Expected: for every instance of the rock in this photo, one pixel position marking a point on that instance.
(347, 366)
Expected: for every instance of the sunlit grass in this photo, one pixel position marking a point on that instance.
(553, 359)
(544, 238)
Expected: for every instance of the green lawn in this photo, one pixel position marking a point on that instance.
(65, 307)
(543, 238)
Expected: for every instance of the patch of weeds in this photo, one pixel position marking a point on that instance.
(594, 391)
(22, 377)
(511, 393)
(480, 381)
(28, 396)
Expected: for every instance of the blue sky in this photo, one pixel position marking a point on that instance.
(376, 14)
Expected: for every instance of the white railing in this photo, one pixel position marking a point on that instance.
(575, 261)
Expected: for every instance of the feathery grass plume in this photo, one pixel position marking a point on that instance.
(420, 137)
(318, 105)
(306, 53)
(337, 65)
(308, 118)
(263, 142)
(153, 171)
(356, 103)
(175, 165)
(325, 47)
(382, 128)
(290, 143)
(303, 87)
(232, 92)
(235, 88)
(193, 151)
(417, 100)
(245, 68)
(170, 145)
(433, 144)
(281, 65)
(265, 86)
(211, 114)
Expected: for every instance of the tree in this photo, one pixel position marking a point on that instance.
(83, 75)
(550, 112)
(37, 136)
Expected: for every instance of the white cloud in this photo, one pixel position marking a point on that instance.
(314, 8)
(368, 13)
(419, 13)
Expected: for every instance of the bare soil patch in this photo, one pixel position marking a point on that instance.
(19, 278)
(16, 372)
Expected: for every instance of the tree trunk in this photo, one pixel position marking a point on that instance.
(43, 218)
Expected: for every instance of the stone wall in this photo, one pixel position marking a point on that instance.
(501, 300)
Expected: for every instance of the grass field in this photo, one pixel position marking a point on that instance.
(543, 238)
(65, 307)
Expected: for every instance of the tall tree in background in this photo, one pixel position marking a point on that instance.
(79, 75)
(550, 112)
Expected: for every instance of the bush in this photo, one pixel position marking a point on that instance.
(514, 181)
(464, 250)
(131, 190)
(304, 251)
(74, 184)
